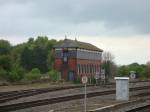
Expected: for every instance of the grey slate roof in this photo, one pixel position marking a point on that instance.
(67, 43)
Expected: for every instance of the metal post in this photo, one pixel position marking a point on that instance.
(85, 98)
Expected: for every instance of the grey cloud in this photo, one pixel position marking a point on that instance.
(79, 16)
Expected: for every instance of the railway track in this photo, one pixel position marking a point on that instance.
(17, 106)
(7, 96)
(141, 109)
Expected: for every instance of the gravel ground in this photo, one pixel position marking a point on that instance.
(58, 93)
(75, 105)
(68, 92)
(41, 85)
(32, 86)
(78, 105)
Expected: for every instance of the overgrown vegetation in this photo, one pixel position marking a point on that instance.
(111, 69)
(141, 71)
(26, 61)
(34, 59)
(54, 75)
(34, 74)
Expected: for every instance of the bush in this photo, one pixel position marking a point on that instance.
(146, 72)
(77, 80)
(53, 75)
(16, 74)
(33, 75)
(93, 81)
(3, 74)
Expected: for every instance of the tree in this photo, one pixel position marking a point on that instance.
(40, 59)
(16, 53)
(35, 53)
(107, 56)
(125, 70)
(5, 59)
(135, 67)
(26, 58)
(108, 64)
(5, 47)
(50, 60)
(146, 71)
(34, 58)
(5, 62)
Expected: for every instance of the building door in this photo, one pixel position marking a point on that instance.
(71, 76)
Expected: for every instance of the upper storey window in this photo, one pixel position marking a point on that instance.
(88, 54)
(65, 55)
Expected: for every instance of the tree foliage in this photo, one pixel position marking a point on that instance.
(35, 57)
(5, 47)
(35, 53)
(34, 74)
(3, 74)
(53, 75)
(5, 59)
(146, 72)
(141, 71)
(108, 65)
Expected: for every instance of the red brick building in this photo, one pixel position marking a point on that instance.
(75, 59)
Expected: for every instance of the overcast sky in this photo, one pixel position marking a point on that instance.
(119, 26)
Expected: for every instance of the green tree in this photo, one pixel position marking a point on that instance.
(40, 59)
(136, 67)
(38, 54)
(108, 64)
(16, 52)
(35, 53)
(26, 59)
(123, 71)
(5, 62)
(146, 72)
(50, 60)
(5, 47)
(5, 58)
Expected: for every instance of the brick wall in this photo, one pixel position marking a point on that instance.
(65, 68)
(89, 67)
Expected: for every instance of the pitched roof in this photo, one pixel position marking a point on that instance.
(67, 43)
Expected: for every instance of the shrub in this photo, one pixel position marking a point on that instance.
(3, 74)
(16, 74)
(93, 81)
(33, 75)
(77, 80)
(53, 75)
(146, 72)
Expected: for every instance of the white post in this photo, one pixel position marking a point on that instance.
(85, 99)
(84, 81)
